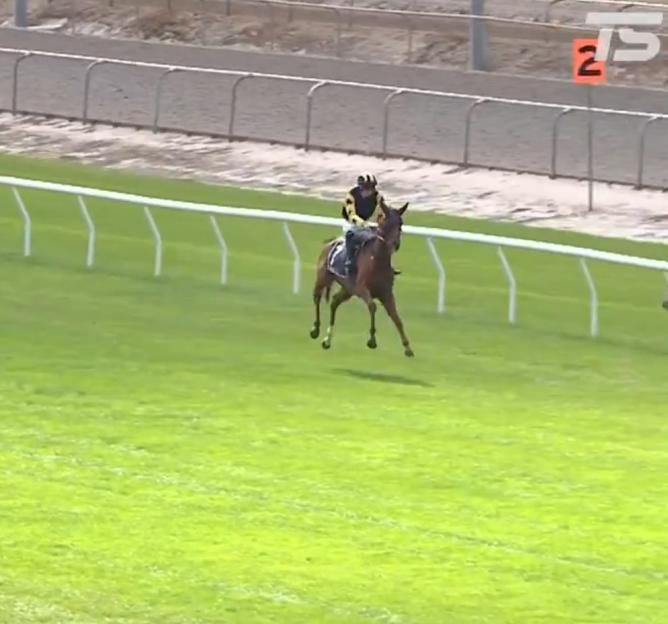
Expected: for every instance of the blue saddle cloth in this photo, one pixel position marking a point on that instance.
(336, 260)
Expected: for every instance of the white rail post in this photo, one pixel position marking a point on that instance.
(158, 241)
(90, 255)
(223, 249)
(641, 149)
(158, 95)
(386, 116)
(233, 104)
(555, 137)
(27, 223)
(467, 129)
(15, 80)
(296, 267)
(593, 298)
(512, 286)
(309, 111)
(86, 94)
(440, 306)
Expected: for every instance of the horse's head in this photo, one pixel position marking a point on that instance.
(389, 228)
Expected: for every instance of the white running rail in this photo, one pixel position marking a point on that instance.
(500, 242)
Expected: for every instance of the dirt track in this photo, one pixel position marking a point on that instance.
(522, 198)
(505, 136)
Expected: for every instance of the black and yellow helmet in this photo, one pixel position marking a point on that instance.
(367, 181)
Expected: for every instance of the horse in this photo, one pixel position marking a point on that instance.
(374, 278)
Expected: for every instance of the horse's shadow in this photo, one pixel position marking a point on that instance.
(383, 378)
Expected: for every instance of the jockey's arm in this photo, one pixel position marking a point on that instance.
(351, 212)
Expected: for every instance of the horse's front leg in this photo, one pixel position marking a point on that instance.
(371, 305)
(317, 296)
(340, 297)
(321, 284)
(391, 307)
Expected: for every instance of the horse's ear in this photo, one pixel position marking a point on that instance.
(403, 208)
(383, 207)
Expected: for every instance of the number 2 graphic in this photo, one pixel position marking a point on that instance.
(584, 69)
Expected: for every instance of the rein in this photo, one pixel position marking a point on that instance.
(382, 239)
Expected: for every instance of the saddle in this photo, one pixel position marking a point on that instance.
(337, 257)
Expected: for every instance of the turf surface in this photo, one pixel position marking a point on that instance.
(177, 452)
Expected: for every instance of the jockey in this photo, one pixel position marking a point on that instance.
(362, 202)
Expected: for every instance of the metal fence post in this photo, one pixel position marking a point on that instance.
(270, 9)
(309, 111)
(233, 103)
(590, 150)
(409, 43)
(339, 50)
(641, 150)
(548, 10)
(594, 330)
(223, 249)
(15, 80)
(512, 286)
(27, 223)
(157, 270)
(90, 254)
(21, 13)
(296, 266)
(87, 78)
(467, 129)
(386, 116)
(555, 136)
(477, 36)
(158, 95)
(440, 305)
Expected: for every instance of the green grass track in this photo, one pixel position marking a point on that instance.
(177, 452)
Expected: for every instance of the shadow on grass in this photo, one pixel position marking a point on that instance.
(382, 378)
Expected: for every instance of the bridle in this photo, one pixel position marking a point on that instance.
(382, 238)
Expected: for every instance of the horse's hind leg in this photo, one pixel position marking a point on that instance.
(391, 307)
(340, 297)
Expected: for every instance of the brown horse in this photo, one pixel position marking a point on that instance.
(374, 279)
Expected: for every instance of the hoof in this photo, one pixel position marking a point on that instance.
(315, 332)
(409, 352)
(326, 344)
(371, 343)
